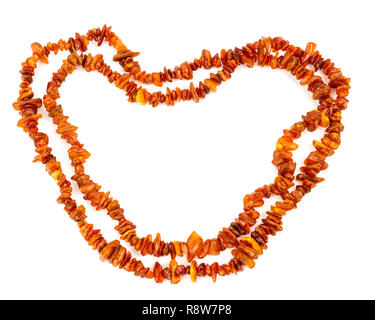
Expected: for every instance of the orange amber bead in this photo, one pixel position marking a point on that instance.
(141, 96)
(252, 245)
(193, 271)
(158, 273)
(244, 257)
(194, 245)
(173, 267)
(211, 84)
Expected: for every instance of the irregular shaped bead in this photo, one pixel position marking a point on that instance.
(194, 245)
(193, 271)
(158, 276)
(141, 96)
(252, 245)
(253, 200)
(286, 144)
(107, 251)
(211, 84)
(204, 249)
(214, 271)
(228, 237)
(243, 257)
(156, 79)
(206, 59)
(193, 93)
(157, 243)
(214, 248)
(312, 120)
(175, 278)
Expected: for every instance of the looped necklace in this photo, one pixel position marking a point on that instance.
(247, 236)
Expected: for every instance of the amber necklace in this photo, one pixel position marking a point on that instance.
(246, 236)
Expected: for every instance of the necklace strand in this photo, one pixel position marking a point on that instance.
(246, 236)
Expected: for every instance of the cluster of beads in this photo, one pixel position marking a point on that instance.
(246, 236)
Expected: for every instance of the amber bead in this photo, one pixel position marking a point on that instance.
(120, 257)
(193, 93)
(156, 246)
(211, 84)
(194, 245)
(214, 248)
(181, 270)
(141, 96)
(253, 200)
(193, 271)
(228, 238)
(252, 245)
(214, 271)
(244, 257)
(167, 274)
(156, 79)
(175, 278)
(158, 270)
(204, 249)
(107, 251)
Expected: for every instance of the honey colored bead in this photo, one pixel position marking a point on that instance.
(193, 271)
(283, 144)
(214, 271)
(324, 120)
(121, 254)
(214, 248)
(123, 54)
(149, 274)
(204, 250)
(78, 154)
(193, 93)
(332, 140)
(228, 237)
(141, 97)
(211, 84)
(31, 62)
(326, 150)
(252, 245)
(186, 71)
(56, 174)
(157, 243)
(78, 214)
(127, 233)
(278, 210)
(175, 278)
(310, 48)
(158, 276)
(38, 50)
(312, 120)
(243, 257)
(177, 248)
(107, 251)
(194, 245)
(156, 79)
(147, 246)
(206, 58)
(253, 200)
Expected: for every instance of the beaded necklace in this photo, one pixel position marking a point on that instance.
(246, 236)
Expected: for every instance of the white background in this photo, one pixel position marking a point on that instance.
(186, 168)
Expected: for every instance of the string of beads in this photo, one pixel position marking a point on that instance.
(247, 236)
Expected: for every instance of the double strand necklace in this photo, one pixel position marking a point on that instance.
(247, 236)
